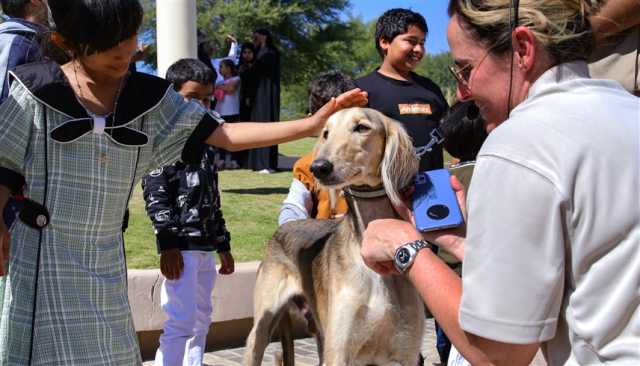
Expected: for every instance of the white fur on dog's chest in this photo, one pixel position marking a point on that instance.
(367, 291)
(366, 287)
(379, 301)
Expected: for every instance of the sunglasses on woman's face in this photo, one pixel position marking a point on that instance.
(462, 74)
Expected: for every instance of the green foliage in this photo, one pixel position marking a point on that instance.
(250, 204)
(435, 67)
(300, 28)
(310, 35)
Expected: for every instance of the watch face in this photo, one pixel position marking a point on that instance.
(403, 256)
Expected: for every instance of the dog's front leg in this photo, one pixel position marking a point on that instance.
(340, 342)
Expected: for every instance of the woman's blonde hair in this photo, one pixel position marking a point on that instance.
(561, 26)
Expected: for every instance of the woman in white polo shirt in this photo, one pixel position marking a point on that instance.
(551, 253)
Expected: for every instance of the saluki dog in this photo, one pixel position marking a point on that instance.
(357, 316)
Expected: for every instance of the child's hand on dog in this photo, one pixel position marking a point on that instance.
(351, 98)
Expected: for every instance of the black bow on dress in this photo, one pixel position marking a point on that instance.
(140, 94)
(76, 128)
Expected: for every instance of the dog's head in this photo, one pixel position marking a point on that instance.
(363, 147)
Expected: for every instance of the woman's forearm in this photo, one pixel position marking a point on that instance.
(441, 290)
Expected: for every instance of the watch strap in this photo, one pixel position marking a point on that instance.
(416, 246)
(419, 244)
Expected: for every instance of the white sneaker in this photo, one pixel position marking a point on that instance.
(265, 171)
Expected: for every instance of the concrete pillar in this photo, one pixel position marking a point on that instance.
(176, 32)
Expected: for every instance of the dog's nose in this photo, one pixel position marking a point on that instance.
(321, 168)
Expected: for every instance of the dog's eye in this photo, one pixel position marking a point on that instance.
(325, 134)
(360, 128)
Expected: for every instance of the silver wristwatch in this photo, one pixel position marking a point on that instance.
(406, 254)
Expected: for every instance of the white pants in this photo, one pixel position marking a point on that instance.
(456, 359)
(187, 303)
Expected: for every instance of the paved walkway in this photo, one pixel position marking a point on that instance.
(306, 352)
(307, 355)
(305, 349)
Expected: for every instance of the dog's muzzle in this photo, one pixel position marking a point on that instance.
(321, 168)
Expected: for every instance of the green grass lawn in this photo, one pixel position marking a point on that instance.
(250, 203)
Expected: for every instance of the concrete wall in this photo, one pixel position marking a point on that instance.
(232, 308)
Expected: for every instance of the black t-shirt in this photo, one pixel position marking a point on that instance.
(417, 104)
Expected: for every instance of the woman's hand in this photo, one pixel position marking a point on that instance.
(171, 263)
(227, 263)
(452, 240)
(380, 241)
(352, 98)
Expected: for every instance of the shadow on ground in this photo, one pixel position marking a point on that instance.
(258, 191)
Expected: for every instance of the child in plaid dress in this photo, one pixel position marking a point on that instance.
(78, 136)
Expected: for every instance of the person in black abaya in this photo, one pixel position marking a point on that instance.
(266, 104)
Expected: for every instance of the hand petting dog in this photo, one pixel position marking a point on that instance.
(351, 98)
(383, 237)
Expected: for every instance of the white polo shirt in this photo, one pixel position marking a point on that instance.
(553, 242)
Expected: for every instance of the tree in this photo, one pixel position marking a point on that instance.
(310, 34)
(436, 68)
(298, 27)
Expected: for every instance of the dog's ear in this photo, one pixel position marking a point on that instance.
(399, 164)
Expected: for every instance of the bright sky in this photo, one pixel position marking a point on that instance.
(434, 11)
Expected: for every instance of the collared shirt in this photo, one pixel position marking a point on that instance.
(553, 239)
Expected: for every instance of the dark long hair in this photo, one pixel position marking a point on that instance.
(247, 46)
(266, 33)
(91, 26)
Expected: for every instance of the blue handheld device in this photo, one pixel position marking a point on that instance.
(435, 205)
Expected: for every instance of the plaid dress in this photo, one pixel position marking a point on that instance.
(66, 291)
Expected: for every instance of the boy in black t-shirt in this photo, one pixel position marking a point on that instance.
(395, 90)
(399, 93)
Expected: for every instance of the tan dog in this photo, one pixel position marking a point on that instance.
(358, 316)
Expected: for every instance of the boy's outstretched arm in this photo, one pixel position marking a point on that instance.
(247, 135)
